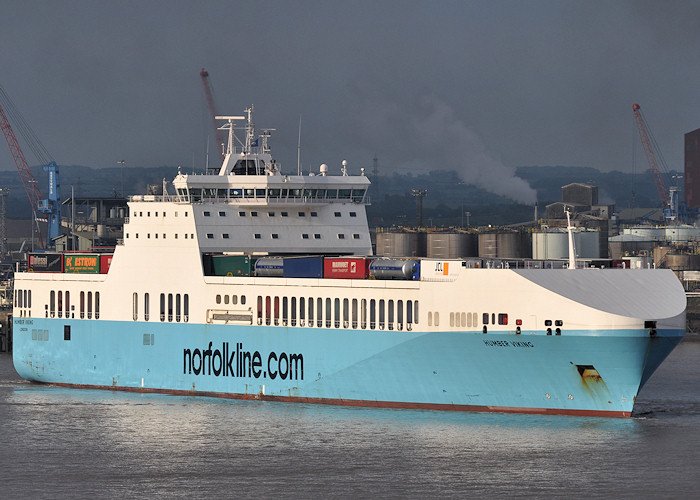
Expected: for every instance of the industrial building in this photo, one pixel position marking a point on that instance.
(691, 177)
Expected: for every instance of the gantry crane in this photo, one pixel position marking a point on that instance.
(51, 207)
(218, 133)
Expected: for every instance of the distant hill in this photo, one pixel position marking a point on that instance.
(392, 202)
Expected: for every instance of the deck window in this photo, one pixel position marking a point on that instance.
(177, 308)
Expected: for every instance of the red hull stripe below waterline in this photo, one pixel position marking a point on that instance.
(359, 402)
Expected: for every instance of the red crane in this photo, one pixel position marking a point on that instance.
(30, 184)
(648, 146)
(218, 134)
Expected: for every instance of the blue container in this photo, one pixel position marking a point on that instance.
(303, 267)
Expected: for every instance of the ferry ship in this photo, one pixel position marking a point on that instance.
(244, 282)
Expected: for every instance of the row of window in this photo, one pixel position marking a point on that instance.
(234, 299)
(148, 214)
(155, 235)
(257, 236)
(197, 194)
(242, 213)
(173, 307)
(469, 319)
(23, 299)
(60, 305)
(336, 313)
(254, 213)
(275, 236)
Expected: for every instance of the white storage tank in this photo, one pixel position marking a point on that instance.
(647, 232)
(554, 244)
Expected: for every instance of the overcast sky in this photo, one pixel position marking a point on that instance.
(480, 87)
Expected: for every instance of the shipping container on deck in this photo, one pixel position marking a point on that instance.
(346, 267)
(386, 268)
(230, 265)
(81, 263)
(45, 263)
(439, 270)
(303, 267)
(105, 263)
(269, 266)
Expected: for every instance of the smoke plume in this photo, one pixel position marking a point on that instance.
(439, 140)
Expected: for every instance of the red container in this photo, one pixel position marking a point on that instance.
(105, 262)
(346, 268)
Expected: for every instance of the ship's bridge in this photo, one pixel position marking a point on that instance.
(271, 189)
(249, 206)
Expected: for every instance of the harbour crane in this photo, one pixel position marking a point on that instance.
(649, 145)
(218, 133)
(51, 206)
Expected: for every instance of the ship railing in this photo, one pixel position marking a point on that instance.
(155, 197)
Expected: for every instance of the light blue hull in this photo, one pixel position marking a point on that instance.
(579, 372)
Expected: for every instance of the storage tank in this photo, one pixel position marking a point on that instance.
(396, 244)
(554, 244)
(682, 233)
(550, 245)
(682, 262)
(503, 245)
(451, 245)
(587, 244)
(649, 233)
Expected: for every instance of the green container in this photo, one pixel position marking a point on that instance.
(81, 263)
(231, 265)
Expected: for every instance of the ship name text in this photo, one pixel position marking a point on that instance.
(508, 343)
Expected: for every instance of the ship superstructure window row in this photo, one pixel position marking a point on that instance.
(318, 312)
(195, 194)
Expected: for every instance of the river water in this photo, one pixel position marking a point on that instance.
(59, 443)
